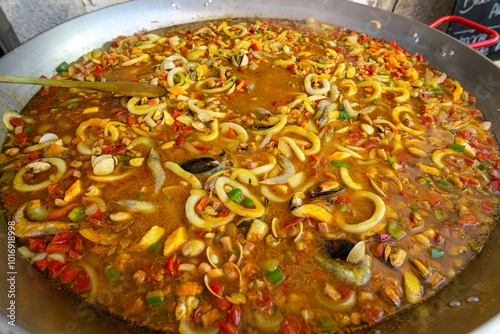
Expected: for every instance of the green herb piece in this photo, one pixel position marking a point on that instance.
(269, 264)
(288, 256)
(337, 163)
(444, 184)
(341, 106)
(235, 195)
(344, 208)
(122, 157)
(141, 196)
(156, 246)
(344, 115)
(77, 214)
(234, 251)
(457, 147)
(28, 128)
(154, 297)
(482, 167)
(435, 253)
(392, 160)
(275, 276)
(395, 232)
(113, 275)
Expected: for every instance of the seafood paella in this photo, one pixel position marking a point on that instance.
(297, 177)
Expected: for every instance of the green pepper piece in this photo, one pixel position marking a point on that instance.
(122, 157)
(275, 276)
(113, 275)
(344, 208)
(288, 256)
(63, 67)
(482, 167)
(457, 147)
(440, 215)
(6, 177)
(339, 163)
(154, 297)
(235, 195)
(435, 253)
(328, 324)
(28, 128)
(247, 203)
(428, 179)
(77, 214)
(395, 232)
(444, 184)
(156, 246)
(414, 208)
(140, 196)
(391, 160)
(218, 236)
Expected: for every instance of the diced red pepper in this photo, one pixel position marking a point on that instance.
(63, 212)
(235, 314)
(180, 140)
(73, 255)
(68, 275)
(420, 58)
(304, 328)
(131, 120)
(465, 134)
(56, 268)
(227, 328)
(290, 326)
(172, 265)
(54, 248)
(292, 67)
(42, 264)
(196, 313)
(224, 213)
(10, 199)
(107, 149)
(230, 133)
(16, 121)
(495, 185)
(202, 204)
(384, 237)
(487, 206)
(265, 299)
(34, 245)
(467, 220)
(202, 148)
(217, 288)
(64, 237)
(315, 157)
(81, 282)
(293, 221)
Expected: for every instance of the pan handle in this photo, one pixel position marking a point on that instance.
(485, 30)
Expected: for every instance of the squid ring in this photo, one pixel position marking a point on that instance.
(368, 224)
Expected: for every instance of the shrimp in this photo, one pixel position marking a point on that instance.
(157, 170)
(288, 171)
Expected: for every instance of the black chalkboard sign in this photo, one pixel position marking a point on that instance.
(485, 12)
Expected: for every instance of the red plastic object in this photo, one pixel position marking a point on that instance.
(485, 30)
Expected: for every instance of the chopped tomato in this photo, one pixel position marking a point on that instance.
(42, 264)
(235, 314)
(68, 275)
(131, 120)
(217, 288)
(107, 149)
(222, 304)
(230, 133)
(368, 145)
(73, 255)
(293, 221)
(465, 134)
(304, 328)
(224, 213)
(344, 291)
(78, 245)
(315, 157)
(434, 200)
(487, 206)
(467, 220)
(16, 121)
(265, 300)
(290, 326)
(180, 140)
(495, 185)
(81, 282)
(34, 245)
(56, 268)
(202, 148)
(384, 237)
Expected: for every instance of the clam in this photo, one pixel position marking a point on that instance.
(232, 272)
(193, 248)
(103, 164)
(207, 284)
(257, 230)
(300, 232)
(237, 298)
(357, 253)
(338, 248)
(48, 137)
(420, 270)
(36, 167)
(274, 228)
(239, 60)
(296, 201)
(213, 258)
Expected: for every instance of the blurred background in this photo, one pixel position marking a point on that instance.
(21, 20)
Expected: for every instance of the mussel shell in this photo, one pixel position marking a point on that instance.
(262, 126)
(337, 249)
(200, 165)
(326, 193)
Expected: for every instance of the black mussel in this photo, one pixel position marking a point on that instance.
(245, 222)
(337, 249)
(200, 165)
(297, 200)
(325, 193)
(262, 126)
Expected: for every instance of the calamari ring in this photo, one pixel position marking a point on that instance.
(18, 182)
(176, 169)
(232, 206)
(265, 168)
(395, 116)
(377, 89)
(245, 176)
(201, 223)
(368, 224)
(438, 155)
(135, 109)
(293, 145)
(228, 84)
(107, 178)
(316, 143)
(346, 178)
(214, 134)
(276, 128)
(404, 93)
(313, 91)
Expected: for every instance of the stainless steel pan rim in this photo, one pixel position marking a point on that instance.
(40, 308)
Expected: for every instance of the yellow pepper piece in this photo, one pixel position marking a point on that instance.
(222, 25)
(175, 241)
(73, 191)
(457, 93)
(176, 90)
(151, 236)
(201, 70)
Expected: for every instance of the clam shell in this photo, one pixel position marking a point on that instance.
(357, 254)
